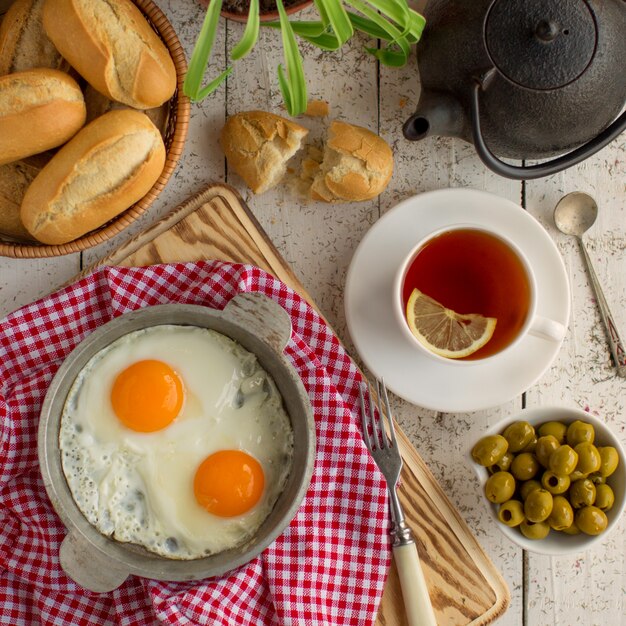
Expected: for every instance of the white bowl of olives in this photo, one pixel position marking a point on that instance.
(554, 478)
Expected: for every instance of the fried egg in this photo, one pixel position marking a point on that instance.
(176, 439)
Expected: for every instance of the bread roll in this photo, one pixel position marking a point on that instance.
(24, 44)
(98, 104)
(15, 179)
(39, 109)
(110, 164)
(258, 145)
(357, 165)
(113, 48)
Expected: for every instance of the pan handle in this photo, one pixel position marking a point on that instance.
(262, 317)
(89, 567)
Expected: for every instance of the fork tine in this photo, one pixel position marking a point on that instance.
(375, 424)
(381, 417)
(366, 435)
(389, 416)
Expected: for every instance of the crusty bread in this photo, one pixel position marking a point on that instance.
(15, 179)
(98, 104)
(357, 165)
(39, 109)
(258, 145)
(24, 44)
(108, 166)
(113, 48)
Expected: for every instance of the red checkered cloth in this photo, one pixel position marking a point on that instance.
(330, 564)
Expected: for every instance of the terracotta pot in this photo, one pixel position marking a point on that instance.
(272, 16)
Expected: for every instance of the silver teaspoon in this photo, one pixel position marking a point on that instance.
(574, 215)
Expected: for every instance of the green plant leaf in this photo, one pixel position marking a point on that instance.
(418, 22)
(285, 89)
(391, 58)
(367, 26)
(338, 19)
(395, 36)
(202, 51)
(416, 26)
(396, 11)
(214, 84)
(324, 41)
(314, 32)
(304, 29)
(293, 84)
(321, 9)
(250, 34)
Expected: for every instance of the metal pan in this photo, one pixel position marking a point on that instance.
(101, 564)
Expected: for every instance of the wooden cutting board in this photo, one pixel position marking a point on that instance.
(464, 585)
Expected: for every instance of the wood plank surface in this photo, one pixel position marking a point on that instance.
(464, 585)
(318, 240)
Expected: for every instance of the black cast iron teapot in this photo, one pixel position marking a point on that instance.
(523, 79)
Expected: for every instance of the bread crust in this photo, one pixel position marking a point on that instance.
(110, 44)
(14, 181)
(80, 189)
(39, 109)
(24, 44)
(258, 144)
(357, 165)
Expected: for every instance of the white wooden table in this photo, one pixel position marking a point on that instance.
(319, 240)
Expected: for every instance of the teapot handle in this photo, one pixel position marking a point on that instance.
(541, 169)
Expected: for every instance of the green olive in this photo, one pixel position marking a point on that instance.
(578, 431)
(511, 513)
(563, 460)
(504, 463)
(582, 493)
(572, 530)
(596, 478)
(530, 447)
(588, 457)
(538, 505)
(556, 429)
(609, 460)
(546, 445)
(591, 520)
(604, 497)
(489, 450)
(524, 466)
(577, 475)
(500, 487)
(562, 515)
(554, 483)
(534, 530)
(519, 435)
(527, 486)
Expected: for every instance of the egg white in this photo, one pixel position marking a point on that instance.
(138, 487)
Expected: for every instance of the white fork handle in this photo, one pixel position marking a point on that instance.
(419, 609)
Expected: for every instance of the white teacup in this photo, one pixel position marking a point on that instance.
(534, 324)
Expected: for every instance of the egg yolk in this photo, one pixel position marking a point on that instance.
(147, 396)
(228, 483)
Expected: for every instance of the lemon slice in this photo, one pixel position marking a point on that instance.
(444, 332)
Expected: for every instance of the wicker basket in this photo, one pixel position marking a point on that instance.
(173, 135)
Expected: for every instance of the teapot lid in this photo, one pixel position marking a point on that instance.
(541, 44)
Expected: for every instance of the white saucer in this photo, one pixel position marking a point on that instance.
(379, 340)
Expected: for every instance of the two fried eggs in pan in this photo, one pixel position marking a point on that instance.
(176, 439)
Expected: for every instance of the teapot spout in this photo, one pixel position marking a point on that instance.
(436, 114)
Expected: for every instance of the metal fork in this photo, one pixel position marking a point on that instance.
(386, 454)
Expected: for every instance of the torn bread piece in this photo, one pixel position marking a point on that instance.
(317, 108)
(258, 145)
(357, 165)
(15, 178)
